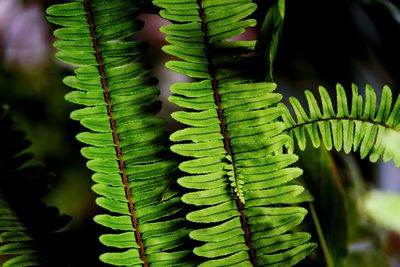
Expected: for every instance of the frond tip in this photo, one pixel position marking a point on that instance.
(365, 127)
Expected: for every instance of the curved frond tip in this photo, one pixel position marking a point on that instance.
(359, 125)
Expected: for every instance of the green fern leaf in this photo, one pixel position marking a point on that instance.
(26, 223)
(127, 148)
(238, 178)
(363, 127)
(268, 39)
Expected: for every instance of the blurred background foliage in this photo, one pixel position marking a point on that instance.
(322, 43)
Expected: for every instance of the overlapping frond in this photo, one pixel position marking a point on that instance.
(364, 127)
(127, 145)
(238, 183)
(26, 223)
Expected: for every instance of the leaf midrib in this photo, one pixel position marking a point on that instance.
(224, 132)
(347, 118)
(118, 150)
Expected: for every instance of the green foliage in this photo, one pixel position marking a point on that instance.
(329, 212)
(387, 217)
(269, 35)
(230, 194)
(239, 182)
(127, 145)
(26, 223)
(364, 127)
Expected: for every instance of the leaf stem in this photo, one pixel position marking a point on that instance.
(118, 149)
(339, 119)
(325, 249)
(224, 132)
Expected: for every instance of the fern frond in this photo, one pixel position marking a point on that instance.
(238, 183)
(127, 148)
(364, 127)
(26, 223)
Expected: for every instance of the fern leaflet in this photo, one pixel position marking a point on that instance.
(238, 183)
(365, 127)
(127, 146)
